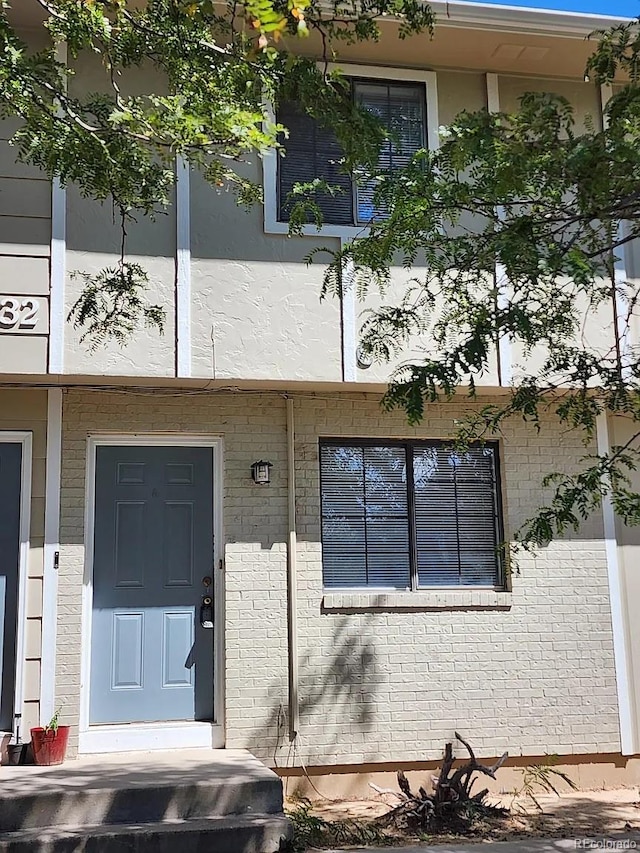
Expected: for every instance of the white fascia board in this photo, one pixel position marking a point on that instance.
(520, 19)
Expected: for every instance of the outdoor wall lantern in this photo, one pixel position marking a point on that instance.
(364, 359)
(261, 472)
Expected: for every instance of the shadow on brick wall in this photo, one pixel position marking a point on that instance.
(336, 699)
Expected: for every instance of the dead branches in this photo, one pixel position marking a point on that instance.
(451, 800)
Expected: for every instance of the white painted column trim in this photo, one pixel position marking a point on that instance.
(433, 112)
(348, 319)
(618, 620)
(292, 576)
(51, 550)
(505, 360)
(493, 93)
(606, 93)
(620, 266)
(183, 269)
(58, 275)
(58, 271)
(505, 357)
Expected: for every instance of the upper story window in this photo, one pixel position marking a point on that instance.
(409, 515)
(313, 151)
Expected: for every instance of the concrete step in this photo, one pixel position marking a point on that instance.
(256, 833)
(137, 789)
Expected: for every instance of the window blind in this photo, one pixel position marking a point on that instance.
(311, 152)
(456, 526)
(409, 514)
(401, 109)
(365, 529)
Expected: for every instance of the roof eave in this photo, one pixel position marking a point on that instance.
(520, 19)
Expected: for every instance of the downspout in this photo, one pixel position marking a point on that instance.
(292, 587)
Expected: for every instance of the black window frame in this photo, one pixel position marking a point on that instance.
(409, 445)
(354, 81)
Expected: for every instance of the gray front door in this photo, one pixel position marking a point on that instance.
(151, 659)
(10, 478)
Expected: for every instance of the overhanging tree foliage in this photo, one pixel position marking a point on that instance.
(513, 230)
(517, 219)
(210, 68)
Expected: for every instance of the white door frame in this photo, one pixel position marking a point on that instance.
(170, 735)
(25, 439)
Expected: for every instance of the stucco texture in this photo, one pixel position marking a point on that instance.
(257, 311)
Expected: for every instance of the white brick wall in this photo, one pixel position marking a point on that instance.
(533, 676)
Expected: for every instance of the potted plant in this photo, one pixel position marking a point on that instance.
(17, 752)
(50, 742)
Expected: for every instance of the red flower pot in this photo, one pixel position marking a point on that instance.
(49, 745)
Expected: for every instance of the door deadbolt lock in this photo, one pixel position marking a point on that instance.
(206, 612)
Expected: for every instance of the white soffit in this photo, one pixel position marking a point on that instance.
(513, 52)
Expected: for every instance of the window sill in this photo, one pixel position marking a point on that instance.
(457, 599)
(345, 232)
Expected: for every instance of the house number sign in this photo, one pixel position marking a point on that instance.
(18, 313)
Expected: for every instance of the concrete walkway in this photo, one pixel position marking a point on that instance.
(126, 770)
(614, 841)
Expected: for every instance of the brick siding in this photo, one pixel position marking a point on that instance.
(531, 672)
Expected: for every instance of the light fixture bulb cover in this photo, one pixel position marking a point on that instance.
(261, 472)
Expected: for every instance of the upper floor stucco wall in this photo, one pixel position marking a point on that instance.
(253, 307)
(256, 311)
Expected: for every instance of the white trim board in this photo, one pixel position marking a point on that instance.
(148, 736)
(169, 735)
(58, 261)
(58, 273)
(349, 323)
(622, 262)
(505, 355)
(25, 439)
(183, 268)
(617, 604)
(430, 80)
(493, 93)
(51, 548)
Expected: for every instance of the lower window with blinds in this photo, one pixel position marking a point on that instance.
(410, 515)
